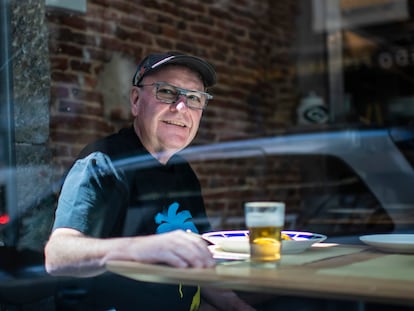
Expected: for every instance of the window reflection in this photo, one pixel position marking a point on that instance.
(289, 73)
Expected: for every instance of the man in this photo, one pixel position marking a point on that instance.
(130, 197)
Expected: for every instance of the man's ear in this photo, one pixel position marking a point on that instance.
(133, 100)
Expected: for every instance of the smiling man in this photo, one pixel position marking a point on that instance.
(167, 106)
(129, 196)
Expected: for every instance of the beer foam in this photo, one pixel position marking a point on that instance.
(258, 219)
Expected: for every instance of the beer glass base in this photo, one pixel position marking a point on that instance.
(265, 265)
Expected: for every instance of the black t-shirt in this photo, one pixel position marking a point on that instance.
(116, 188)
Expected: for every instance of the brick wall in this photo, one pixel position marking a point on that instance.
(228, 183)
(247, 41)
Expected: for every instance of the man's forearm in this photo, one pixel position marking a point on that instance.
(72, 255)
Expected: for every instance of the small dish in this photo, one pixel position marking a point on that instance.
(394, 243)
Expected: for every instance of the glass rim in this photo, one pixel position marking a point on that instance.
(264, 204)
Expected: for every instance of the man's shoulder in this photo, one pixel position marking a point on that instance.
(120, 144)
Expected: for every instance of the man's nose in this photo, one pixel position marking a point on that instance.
(180, 104)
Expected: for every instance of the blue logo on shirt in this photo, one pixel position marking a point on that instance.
(171, 220)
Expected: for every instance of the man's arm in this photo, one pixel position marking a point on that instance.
(69, 252)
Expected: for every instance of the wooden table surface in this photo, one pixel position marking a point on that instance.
(363, 274)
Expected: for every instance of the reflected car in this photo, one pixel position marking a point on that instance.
(347, 182)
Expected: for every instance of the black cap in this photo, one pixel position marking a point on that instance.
(155, 61)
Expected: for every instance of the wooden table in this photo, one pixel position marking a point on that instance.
(341, 272)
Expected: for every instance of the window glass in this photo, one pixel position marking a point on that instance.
(324, 66)
(314, 106)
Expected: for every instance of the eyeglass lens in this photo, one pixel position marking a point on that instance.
(170, 94)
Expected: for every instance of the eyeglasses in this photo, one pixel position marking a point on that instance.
(169, 94)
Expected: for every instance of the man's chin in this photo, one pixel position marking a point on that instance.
(173, 147)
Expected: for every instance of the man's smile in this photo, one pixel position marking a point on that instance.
(177, 123)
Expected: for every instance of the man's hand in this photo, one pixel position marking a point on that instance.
(177, 248)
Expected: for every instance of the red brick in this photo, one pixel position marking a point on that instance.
(65, 77)
(60, 63)
(86, 96)
(77, 65)
(59, 92)
(68, 49)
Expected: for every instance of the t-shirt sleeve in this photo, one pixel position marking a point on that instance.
(92, 196)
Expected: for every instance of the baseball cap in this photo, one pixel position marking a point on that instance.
(155, 61)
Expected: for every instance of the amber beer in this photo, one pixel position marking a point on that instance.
(265, 243)
(265, 223)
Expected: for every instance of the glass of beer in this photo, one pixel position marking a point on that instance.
(265, 222)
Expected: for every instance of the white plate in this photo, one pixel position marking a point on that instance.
(396, 243)
(237, 241)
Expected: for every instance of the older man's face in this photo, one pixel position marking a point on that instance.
(166, 127)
